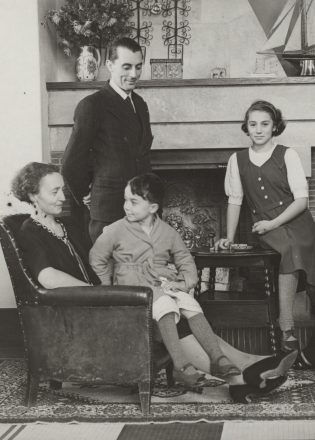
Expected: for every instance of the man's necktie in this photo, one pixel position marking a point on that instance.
(129, 103)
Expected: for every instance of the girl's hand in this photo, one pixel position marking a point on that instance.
(223, 243)
(262, 227)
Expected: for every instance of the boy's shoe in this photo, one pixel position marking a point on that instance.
(225, 370)
(191, 379)
(289, 342)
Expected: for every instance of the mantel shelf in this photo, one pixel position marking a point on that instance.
(223, 82)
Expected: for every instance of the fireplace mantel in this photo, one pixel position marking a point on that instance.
(202, 115)
(222, 82)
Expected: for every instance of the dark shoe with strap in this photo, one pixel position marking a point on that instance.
(244, 393)
(271, 367)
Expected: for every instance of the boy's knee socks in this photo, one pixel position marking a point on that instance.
(206, 337)
(169, 333)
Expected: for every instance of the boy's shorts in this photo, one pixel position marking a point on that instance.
(173, 302)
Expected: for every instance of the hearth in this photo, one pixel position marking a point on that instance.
(195, 202)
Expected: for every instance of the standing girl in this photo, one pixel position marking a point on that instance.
(272, 179)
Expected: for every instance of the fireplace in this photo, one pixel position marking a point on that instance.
(195, 202)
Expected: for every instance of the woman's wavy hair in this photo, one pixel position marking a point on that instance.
(275, 113)
(150, 187)
(27, 180)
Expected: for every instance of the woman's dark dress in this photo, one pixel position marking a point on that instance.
(268, 194)
(43, 249)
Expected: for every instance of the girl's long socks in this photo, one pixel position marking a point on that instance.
(287, 289)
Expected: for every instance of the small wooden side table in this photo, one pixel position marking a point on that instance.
(253, 308)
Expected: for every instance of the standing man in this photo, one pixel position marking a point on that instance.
(111, 140)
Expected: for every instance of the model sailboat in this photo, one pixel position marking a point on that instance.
(293, 34)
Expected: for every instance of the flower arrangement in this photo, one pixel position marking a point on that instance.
(89, 23)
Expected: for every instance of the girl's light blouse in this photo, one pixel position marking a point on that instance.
(296, 177)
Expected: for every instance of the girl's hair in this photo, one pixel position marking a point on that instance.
(275, 113)
(150, 187)
(27, 180)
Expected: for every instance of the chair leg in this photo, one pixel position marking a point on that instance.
(55, 384)
(31, 390)
(145, 396)
(169, 374)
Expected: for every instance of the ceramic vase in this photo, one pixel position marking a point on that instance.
(88, 63)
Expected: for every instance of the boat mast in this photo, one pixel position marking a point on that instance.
(303, 26)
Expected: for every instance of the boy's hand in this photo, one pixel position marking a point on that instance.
(174, 285)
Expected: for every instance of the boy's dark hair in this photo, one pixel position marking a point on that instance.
(150, 187)
(126, 42)
(275, 113)
(27, 180)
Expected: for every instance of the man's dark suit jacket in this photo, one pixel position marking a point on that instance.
(105, 150)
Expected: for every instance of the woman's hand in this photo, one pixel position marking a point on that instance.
(223, 243)
(263, 226)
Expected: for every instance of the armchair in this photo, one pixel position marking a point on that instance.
(99, 334)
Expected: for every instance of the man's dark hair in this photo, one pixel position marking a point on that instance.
(126, 42)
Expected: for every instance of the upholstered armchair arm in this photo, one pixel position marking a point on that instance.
(96, 296)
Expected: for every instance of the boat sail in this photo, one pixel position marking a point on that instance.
(293, 34)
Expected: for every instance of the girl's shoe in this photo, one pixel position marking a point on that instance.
(260, 372)
(289, 342)
(226, 370)
(300, 364)
(190, 380)
(244, 393)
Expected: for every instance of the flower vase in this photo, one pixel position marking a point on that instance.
(88, 63)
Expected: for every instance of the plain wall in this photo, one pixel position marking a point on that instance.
(23, 117)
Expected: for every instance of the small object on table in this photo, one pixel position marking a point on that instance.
(239, 247)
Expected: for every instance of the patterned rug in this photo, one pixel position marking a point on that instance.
(293, 400)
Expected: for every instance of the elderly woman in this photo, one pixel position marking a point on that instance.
(57, 257)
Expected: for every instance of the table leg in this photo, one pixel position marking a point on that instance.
(269, 291)
(198, 285)
(212, 280)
